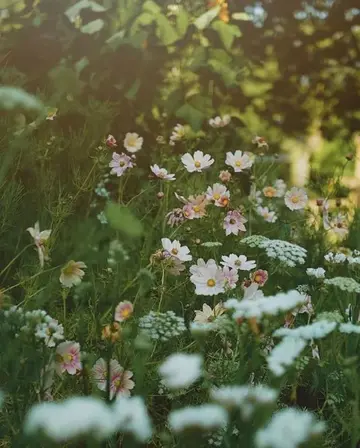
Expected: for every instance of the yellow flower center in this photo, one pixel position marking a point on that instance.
(238, 163)
(68, 357)
(237, 263)
(121, 163)
(216, 196)
(196, 209)
(295, 199)
(125, 312)
(197, 164)
(211, 282)
(131, 141)
(174, 251)
(257, 278)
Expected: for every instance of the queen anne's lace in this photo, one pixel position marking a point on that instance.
(344, 283)
(288, 253)
(162, 326)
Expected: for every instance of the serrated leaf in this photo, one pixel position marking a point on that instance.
(121, 218)
(92, 27)
(15, 99)
(205, 19)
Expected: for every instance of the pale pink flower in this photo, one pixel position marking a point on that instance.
(208, 314)
(225, 176)
(120, 163)
(123, 311)
(306, 308)
(296, 198)
(269, 216)
(231, 277)
(189, 212)
(197, 162)
(260, 277)
(219, 194)
(40, 239)
(162, 173)
(234, 223)
(208, 278)
(72, 273)
(339, 225)
(120, 380)
(238, 161)
(238, 262)
(220, 122)
(133, 142)
(175, 249)
(177, 134)
(111, 141)
(270, 192)
(68, 358)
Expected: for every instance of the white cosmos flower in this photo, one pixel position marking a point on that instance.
(181, 370)
(220, 122)
(133, 142)
(197, 162)
(208, 314)
(208, 279)
(269, 216)
(239, 262)
(296, 199)
(203, 417)
(239, 161)
(176, 250)
(162, 173)
(219, 194)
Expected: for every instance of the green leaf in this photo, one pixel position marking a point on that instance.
(116, 39)
(15, 99)
(192, 115)
(227, 32)
(74, 10)
(81, 64)
(241, 16)
(152, 7)
(121, 218)
(165, 31)
(182, 21)
(93, 27)
(132, 92)
(228, 75)
(205, 19)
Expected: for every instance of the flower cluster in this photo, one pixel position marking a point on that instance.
(344, 283)
(162, 326)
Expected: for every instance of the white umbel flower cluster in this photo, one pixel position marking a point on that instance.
(344, 283)
(77, 416)
(335, 258)
(162, 326)
(181, 370)
(349, 328)
(284, 355)
(266, 306)
(316, 272)
(316, 330)
(288, 253)
(245, 398)
(288, 428)
(204, 417)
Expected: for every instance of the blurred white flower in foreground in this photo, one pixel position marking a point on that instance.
(203, 417)
(284, 354)
(180, 370)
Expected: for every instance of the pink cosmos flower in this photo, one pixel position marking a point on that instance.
(260, 277)
(162, 173)
(120, 380)
(219, 194)
(68, 357)
(269, 216)
(123, 311)
(339, 225)
(111, 141)
(40, 239)
(234, 222)
(231, 277)
(120, 163)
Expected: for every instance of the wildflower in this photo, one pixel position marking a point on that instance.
(239, 262)
(175, 217)
(260, 277)
(284, 354)
(269, 192)
(219, 194)
(238, 161)
(49, 330)
(197, 162)
(296, 199)
(203, 417)
(162, 326)
(317, 330)
(269, 216)
(120, 163)
(162, 173)
(111, 332)
(175, 249)
(208, 314)
(245, 398)
(72, 273)
(111, 141)
(260, 142)
(231, 277)
(220, 122)
(208, 278)
(51, 114)
(280, 187)
(195, 208)
(177, 134)
(133, 142)
(306, 308)
(120, 380)
(40, 239)
(225, 176)
(123, 311)
(234, 223)
(160, 139)
(318, 272)
(181, 370)
(344, 283)
(339, 225)
(252, 291)
(276, 433)
(337, 258)
(211, 244)
(68, 357)
(173, 265)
